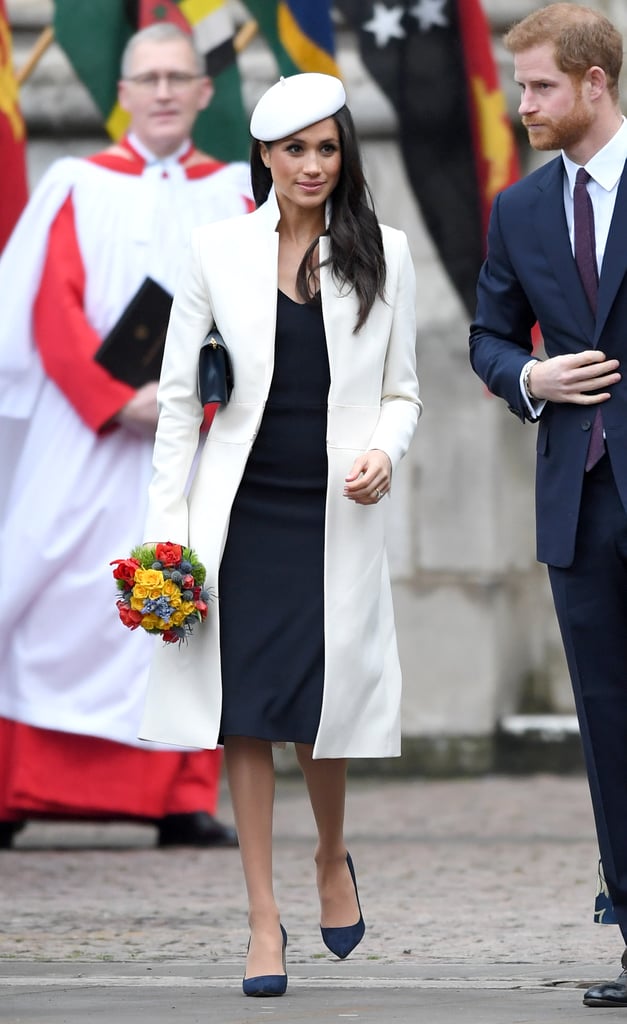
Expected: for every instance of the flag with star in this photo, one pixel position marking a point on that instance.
(299, 33)
(12, 137)
(433, 59)
(93, 34)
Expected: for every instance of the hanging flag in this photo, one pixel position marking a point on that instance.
(299, 33)
(94, 34)
(13, 186)
(433, 59)
(494, 149)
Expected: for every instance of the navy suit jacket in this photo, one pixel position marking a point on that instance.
(530, 274)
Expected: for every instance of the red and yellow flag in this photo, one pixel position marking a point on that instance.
(496, 156)
(13, 187)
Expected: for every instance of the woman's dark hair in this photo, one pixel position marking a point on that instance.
(356, 246)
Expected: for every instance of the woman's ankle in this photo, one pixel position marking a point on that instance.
(330, 856)
(262, 919)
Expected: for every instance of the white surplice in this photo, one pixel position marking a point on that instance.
(71, 500)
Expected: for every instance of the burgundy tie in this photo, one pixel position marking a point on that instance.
(586, 260)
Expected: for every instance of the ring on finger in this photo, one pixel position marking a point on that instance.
(377, 493)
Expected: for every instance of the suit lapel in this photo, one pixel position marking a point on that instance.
(615, 256)
(552, 229)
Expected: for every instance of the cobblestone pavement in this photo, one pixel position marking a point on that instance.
(500, 869)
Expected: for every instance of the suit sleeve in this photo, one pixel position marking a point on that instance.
(400, 401)
(500, 335)
(65, 339)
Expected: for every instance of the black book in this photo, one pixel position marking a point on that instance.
(133, 349)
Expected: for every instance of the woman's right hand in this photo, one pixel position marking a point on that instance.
(370, 477)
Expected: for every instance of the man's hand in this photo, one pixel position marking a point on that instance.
(571, 378)
(140, 415)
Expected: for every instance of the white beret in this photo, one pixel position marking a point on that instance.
(294, 103)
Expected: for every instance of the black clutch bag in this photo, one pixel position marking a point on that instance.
(215, 372)
(133, 349)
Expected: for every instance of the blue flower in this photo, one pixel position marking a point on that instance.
(159, 606)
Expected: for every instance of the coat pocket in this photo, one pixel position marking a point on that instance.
(235, 423)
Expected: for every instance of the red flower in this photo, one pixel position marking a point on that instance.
(168, 553)
(169, 636)
(188, 582)
(202, 608)
(129, 616)
(125, 569)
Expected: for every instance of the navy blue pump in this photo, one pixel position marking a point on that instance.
(342, 941)
(268, 984)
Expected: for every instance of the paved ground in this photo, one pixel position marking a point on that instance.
(477, 896)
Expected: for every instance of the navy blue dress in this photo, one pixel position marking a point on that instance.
(271, 585)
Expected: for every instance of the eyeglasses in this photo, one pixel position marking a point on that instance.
(176, 81)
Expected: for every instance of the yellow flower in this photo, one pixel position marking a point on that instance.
(152, 578)
(172, 592)
(137, 603)
(178, 618)
(151, 622)
(188, 607)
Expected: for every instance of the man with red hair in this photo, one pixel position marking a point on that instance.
(556, 255)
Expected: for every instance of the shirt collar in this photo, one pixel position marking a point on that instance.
(151, 159)
(606, 166)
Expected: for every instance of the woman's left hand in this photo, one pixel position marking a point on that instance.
(370, 478)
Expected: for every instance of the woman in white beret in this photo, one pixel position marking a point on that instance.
(316, 303)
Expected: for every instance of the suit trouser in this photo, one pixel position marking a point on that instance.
(591, 604)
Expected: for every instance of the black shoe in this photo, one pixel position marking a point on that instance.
(268, 984)
(609, 993)
(342, 941)
(196, 829)
(8, 829)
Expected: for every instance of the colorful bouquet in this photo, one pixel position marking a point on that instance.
(162, 590)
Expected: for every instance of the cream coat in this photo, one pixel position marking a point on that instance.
(373, 402)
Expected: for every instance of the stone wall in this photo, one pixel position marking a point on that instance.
(476, 628)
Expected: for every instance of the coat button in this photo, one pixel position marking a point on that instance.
(586, 424)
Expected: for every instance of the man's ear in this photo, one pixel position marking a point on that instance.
(206, 93)
(596, 81)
